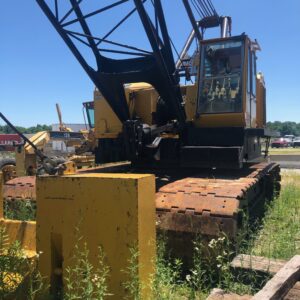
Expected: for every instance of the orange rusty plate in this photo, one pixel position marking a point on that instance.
(196, 203)
(202, 224)
(208, 205)
(21, 188)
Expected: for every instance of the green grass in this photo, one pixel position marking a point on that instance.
(284, 151)
(83, 280)
(280, 234)
(24, 210)
(168, 282)
(278, 237)
(19, 277)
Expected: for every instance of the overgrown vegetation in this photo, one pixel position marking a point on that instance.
(278, 236)
(83, 280)
(24, 210)
(210, 269)
(168, 281)
(19, 278)
(133, 286)
(280, 233)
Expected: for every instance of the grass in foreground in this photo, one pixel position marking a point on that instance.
(284, 151)
(280, 234)
(19, 277)
(24, 210)
(279, 237)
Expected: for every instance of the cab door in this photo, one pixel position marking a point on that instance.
(251, 89)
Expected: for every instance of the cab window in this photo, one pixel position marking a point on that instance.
(90, 112)
(221, 81)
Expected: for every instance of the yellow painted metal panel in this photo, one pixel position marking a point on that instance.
(116, 211)
(40, 139)
(221, 120)
(191, 102)
(22, 231)
(146, 233)
(1, 196)
(25, 162)
(106, 120)
(260, 98)
(144, 101)
(20, 162)
(110, 175)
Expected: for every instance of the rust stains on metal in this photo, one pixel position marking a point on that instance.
(211, 205)
(21, 188)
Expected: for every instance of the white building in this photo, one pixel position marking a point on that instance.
(61, 146)
(74, 127)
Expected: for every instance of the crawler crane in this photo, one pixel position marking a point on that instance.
(202, 140)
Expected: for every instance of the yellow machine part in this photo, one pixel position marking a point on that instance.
(83, 160)
(40, 139)
(261, 101)
(22, 231)
(142, 98)
(1, 195)
(106, 122)
(25, 156)
(115, 211)
(24, 161)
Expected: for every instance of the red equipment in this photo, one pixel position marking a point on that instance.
(7, 141)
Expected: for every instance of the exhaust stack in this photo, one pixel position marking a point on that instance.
(225, 27)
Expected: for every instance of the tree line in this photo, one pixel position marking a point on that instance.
(282, 127)
(32, 129)
(285, 127)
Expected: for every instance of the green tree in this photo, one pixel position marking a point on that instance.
(32, 129)
(285, 128)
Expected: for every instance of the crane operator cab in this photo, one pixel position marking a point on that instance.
(228, 80)
(221, 78)
(229, 111)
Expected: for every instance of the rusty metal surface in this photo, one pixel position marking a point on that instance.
(21, 188)
(210, 205)
(9, 172)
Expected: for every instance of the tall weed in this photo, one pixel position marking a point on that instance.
(280, 233)
(19, 276)
(83, 280)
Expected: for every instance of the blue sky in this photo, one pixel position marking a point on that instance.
(37, 69)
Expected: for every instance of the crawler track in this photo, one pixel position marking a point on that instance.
(188, 203)
(21, 188)
(211, 205)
